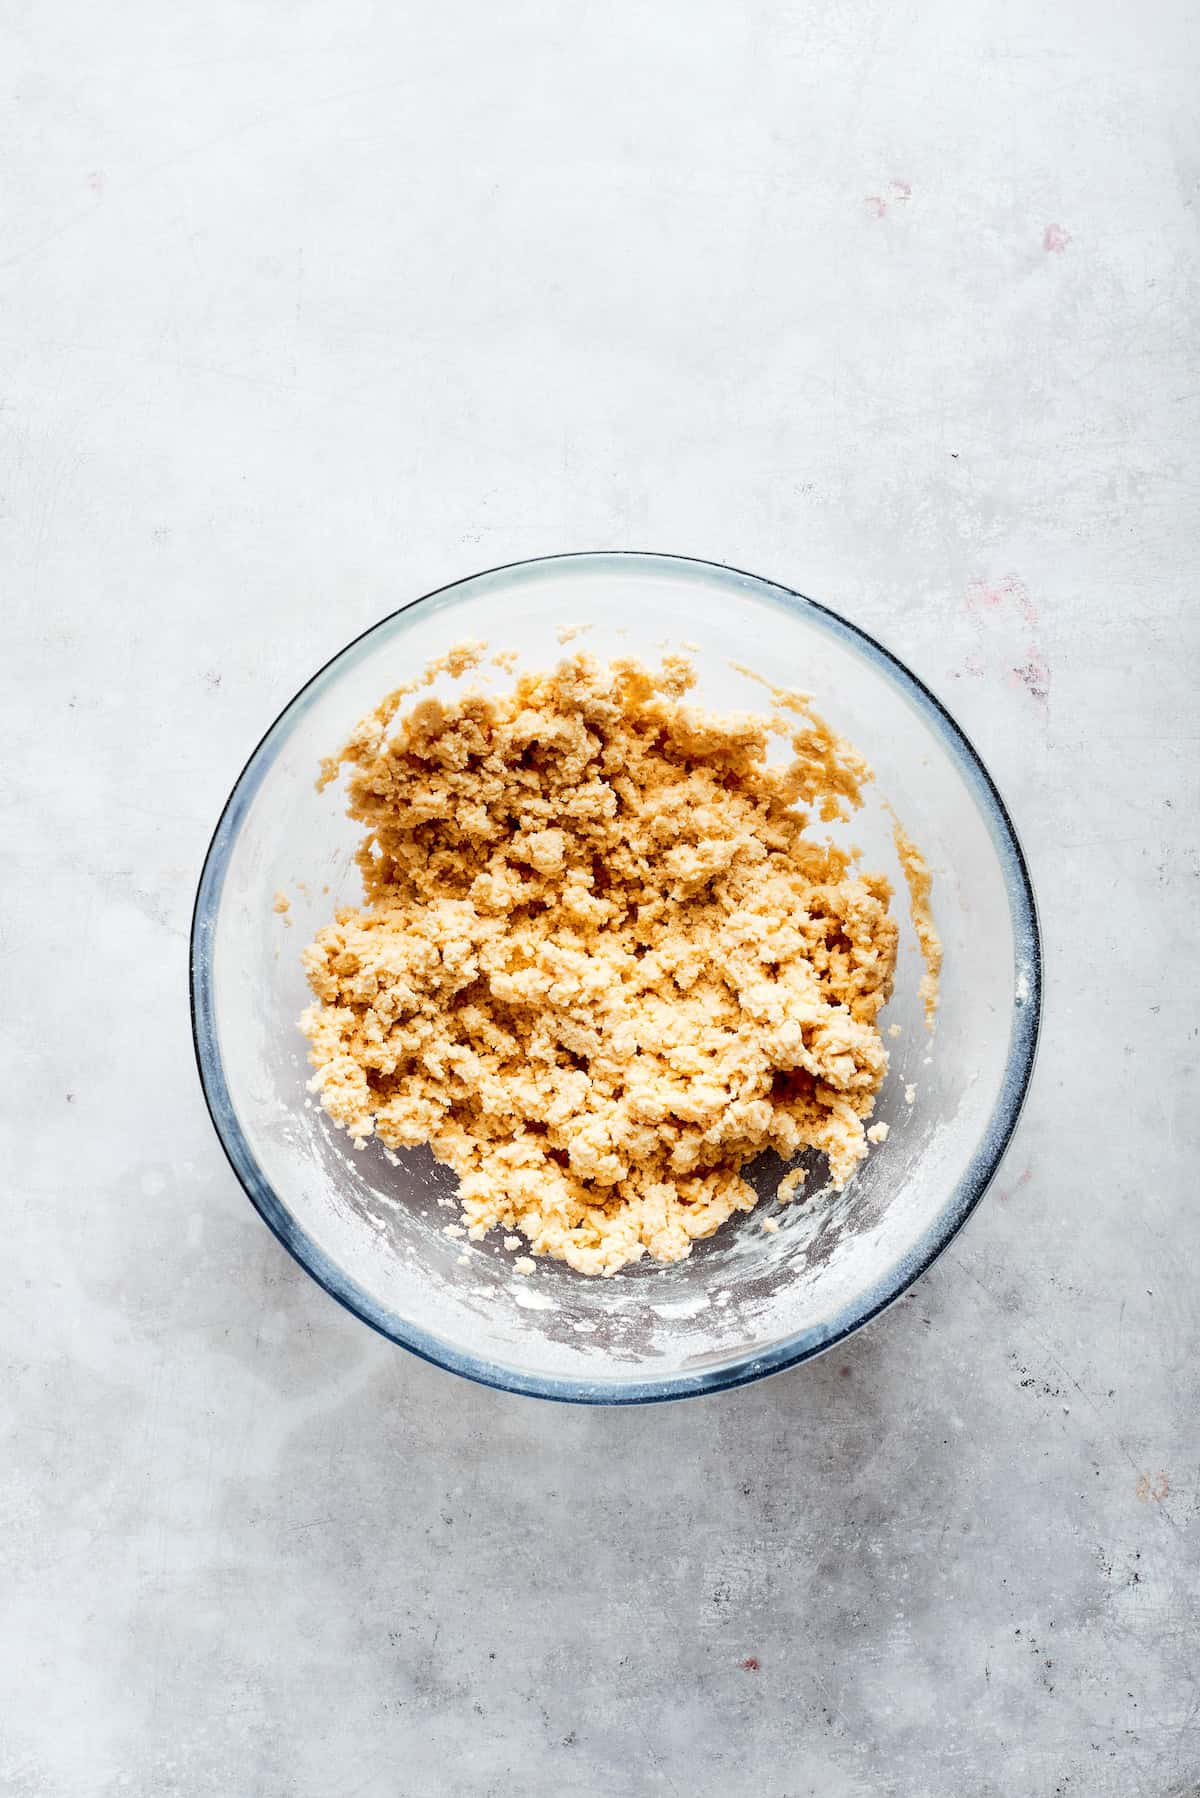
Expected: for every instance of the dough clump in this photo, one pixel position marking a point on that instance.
(601, 964)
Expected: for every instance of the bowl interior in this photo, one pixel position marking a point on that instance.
(371, 1227)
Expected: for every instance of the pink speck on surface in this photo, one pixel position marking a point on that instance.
(1019, 594)
(1055, 240)
(97, 180)
(1019, 660)
(988, 595)
(898, 193)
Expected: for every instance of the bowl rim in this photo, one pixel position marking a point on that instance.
(790, 1351)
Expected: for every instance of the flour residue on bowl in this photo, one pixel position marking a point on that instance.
(531, 1300)
(690, 1307)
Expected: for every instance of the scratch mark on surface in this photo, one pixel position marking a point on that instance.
(655, 1759)
(220, 139)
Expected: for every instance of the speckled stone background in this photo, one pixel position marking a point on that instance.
(307, 308)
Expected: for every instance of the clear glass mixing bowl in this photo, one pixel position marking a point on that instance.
(370, 1228)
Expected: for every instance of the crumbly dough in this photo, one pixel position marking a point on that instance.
(790, 1185)
(601, 963)
(920, 885)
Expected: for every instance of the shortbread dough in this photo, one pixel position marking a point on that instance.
(602, 963)
(920, 885)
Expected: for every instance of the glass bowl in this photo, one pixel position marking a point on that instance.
(748, 1302)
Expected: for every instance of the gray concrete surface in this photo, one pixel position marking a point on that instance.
(306, 309)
